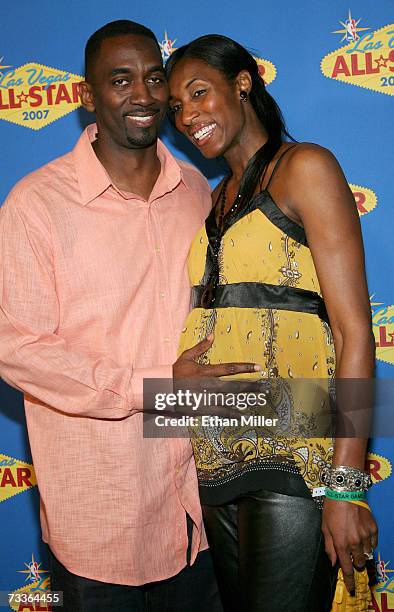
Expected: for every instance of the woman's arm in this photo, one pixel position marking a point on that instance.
(316, 193)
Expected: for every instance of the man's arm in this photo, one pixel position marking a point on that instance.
(33, 356)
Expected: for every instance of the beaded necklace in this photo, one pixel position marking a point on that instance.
(208, 295)
(222, 204)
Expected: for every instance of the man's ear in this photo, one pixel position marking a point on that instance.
(86, 95)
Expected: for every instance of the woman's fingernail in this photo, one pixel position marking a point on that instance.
(257, 367)
(210, 337)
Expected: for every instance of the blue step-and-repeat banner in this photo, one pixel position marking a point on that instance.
(330, 65)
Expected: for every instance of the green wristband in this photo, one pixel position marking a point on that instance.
(345, 495)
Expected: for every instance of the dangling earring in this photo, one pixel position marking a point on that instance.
(243, 95)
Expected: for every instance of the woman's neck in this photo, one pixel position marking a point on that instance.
(250, 140)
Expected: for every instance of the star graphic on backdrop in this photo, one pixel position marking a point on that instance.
(167, 46)
(33, 570)
(384, 572)
(371, 297)
(381, 61)
(347, 25)
(1, 64)
(23, 97)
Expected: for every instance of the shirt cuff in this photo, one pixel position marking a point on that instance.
(137, 384)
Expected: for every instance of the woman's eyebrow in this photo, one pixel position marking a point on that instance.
(192, 81)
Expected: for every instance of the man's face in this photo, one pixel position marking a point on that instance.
(129, 91)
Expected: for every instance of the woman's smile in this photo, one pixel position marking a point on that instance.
(201, 135)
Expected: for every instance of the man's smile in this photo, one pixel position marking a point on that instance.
(141, 118)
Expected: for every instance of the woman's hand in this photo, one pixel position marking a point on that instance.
(350, 534)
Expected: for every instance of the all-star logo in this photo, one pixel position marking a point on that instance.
(34, 572)
(15, 477)
(383, 591)
(351, 29)
(167, 47)
(365, 198)
(383, 329)
(383, 574)
(34, 95)
(267, 69)
(35, 595)
(367, 61)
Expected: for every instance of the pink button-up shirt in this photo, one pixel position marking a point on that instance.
(93, 295)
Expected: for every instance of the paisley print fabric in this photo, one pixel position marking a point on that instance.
(262, 245)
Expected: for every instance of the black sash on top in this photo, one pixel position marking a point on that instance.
(261, 295)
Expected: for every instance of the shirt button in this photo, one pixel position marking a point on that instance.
(157, 249)
(162, 294)
(166, 339)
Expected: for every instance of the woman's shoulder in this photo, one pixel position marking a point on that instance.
(312, 177)
(307, 159)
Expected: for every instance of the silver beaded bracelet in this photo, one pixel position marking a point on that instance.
(342, 478)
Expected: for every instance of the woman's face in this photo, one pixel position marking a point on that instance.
(207, 108)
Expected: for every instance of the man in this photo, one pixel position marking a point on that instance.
(93, 295)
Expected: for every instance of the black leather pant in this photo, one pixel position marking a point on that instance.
(268, 554)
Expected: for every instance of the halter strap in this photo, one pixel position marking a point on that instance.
(278, 164)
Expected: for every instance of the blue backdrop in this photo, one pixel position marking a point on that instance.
(329, 65)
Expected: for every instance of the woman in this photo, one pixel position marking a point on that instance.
(283, 232)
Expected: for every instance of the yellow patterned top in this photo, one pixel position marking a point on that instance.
(261, 245)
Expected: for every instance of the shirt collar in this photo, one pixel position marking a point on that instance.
(93, 178)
